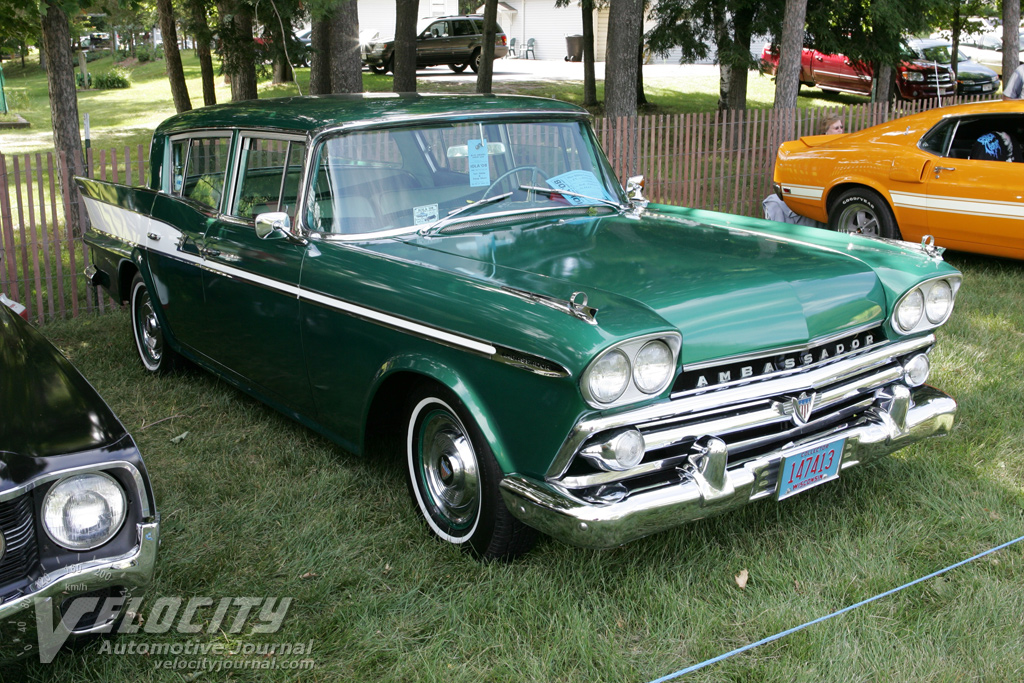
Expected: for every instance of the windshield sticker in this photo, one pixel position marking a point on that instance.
(479, 165)
(424, 214)
(581, 182)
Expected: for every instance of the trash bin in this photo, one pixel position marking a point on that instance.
(574, 48)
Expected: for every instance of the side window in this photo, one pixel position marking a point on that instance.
(936, 141)
(198, 167)
(462, 27)
(269, 173)
(439, 29)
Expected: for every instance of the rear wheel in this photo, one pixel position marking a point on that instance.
(860, 211)
(458, 68)
(474, 61)
(453, 478)
(378, 68)
(153, 351)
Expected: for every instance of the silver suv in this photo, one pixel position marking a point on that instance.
(455, 41)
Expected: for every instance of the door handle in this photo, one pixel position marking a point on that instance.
(939, 169)
(207, 252)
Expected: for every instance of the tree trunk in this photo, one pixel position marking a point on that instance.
(787, 75)
(641, 96)
(625, 28)
(404, 58)
(320, 56)
(1011, 48)
(346, 63)
(60, 78)
(203, 36)
(483, 77)
(955, 32)
(172, 58)
(882, 90)
(239, 49)
(589, 78)
(282, 70)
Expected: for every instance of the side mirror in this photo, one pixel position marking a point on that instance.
(635, 190)
(272, 224)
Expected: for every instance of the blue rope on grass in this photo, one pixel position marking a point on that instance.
(751, 646)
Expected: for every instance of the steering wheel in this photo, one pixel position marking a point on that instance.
(537, 173)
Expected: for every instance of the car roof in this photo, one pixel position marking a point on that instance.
(313, 113)
(922, 43)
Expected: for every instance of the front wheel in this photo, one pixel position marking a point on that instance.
(861, 211)
(379, 69)
(153, 351)
(453, 478)
(458, 68)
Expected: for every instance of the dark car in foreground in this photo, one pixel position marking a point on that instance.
(455, 41)
(971, 78)
(77, 514)
(461, 281)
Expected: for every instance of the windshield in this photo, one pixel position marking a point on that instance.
(939, 53)
(400, 180)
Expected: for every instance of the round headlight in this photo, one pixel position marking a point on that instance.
(652, 367)
(84, 511)
(608, 377)
(938, 302)
(910, 310)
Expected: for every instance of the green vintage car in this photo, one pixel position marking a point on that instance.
(463, 281)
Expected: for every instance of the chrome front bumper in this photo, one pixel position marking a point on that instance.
(910, 416)
(131, 571)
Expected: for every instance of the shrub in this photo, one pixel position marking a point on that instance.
(93, 55)
(147, 53)
(111, 80)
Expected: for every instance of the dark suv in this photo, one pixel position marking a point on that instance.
(455, 41)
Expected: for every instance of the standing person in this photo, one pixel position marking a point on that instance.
(1013, 85)
(831, 125)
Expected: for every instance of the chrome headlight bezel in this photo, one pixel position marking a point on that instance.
(106, 487)
(630, 349)
(928, 320)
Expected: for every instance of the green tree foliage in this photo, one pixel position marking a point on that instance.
(695, 26)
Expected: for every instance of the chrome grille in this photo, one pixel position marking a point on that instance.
(18, 527)
(758, 418)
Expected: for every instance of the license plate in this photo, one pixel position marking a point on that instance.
(987, 87)
(806, 469)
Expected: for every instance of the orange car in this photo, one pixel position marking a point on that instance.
(942, 172)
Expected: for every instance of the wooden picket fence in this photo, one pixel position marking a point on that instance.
(719, 161)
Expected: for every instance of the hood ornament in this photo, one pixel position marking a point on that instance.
(576, 306)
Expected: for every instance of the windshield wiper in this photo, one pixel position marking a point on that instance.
(441, 222)
(550, 191)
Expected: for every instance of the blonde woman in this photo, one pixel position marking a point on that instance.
(831, 125)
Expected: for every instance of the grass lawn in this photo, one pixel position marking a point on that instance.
(128, 117)
(255, 505)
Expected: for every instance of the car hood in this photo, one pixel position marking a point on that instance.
(727, 289)
(48, 408)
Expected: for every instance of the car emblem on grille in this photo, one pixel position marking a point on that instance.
(800, 407)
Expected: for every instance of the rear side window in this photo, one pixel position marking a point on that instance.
(198, 169)
(462, 28)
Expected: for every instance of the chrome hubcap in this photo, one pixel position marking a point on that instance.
(858, 219)
(149, 329)
(449, 469)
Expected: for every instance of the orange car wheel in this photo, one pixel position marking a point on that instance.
(861, 211)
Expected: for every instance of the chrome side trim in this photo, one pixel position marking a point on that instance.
(105, 467)
(814, 379)
(784, 350)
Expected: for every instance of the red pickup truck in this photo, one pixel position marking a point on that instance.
(915, 80)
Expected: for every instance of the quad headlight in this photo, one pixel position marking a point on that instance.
(84, 511)
(631, 371)
(926, 306)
